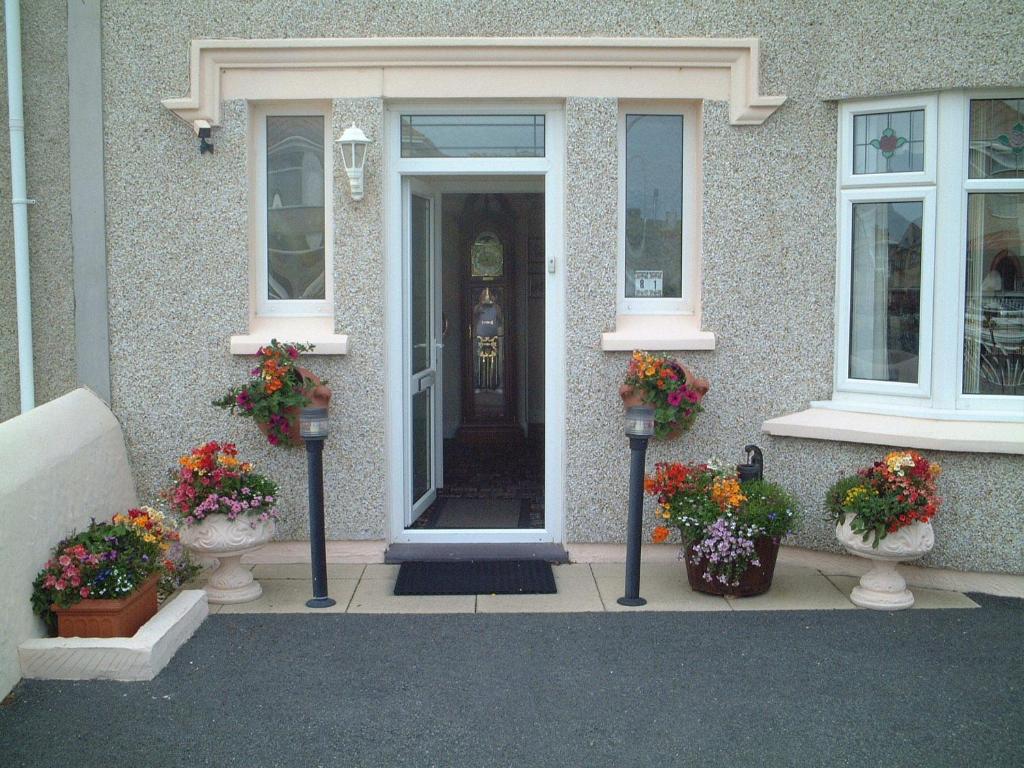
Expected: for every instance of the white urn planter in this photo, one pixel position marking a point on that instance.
(227, 540)
(882, 588)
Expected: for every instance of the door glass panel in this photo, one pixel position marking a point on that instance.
(997, 139)
(421, 289)
(994, 301)
(654, 206)
(421, 432)
(885, 301)
(889, 142)
(472, 135)
(295, 208)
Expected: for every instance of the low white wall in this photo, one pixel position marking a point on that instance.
(63, 463)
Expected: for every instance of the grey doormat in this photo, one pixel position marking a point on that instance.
(479, 513)
(476, 577)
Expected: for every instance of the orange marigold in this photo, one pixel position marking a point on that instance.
(660, 534)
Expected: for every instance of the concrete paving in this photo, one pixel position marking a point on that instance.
(582, 587)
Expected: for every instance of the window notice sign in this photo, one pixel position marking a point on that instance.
(647, 283)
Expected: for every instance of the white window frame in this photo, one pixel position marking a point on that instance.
(844, 382)
(689, 301)
(299, 308)
(944, 186)
(851, 110)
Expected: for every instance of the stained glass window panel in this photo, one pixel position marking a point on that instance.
(889, 142)
(997, 139)
(295, 208)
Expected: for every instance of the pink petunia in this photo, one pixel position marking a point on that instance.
(675, 398)
(84, 591)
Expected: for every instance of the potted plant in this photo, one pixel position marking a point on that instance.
(278, 387)
(103, 581)
(226, 511)
(883, 513)
(730, 530)
(667, 385)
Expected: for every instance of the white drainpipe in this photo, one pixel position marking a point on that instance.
(20, 203)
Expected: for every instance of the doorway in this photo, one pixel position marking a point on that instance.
(475, 329)
(490, 475)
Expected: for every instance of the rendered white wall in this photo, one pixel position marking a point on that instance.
(64, 463)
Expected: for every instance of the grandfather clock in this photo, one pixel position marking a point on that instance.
(489, 412)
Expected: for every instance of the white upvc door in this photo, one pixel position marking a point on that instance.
(422, 327)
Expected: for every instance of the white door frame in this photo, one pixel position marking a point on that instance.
(550, 168)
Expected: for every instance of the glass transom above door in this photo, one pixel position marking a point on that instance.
(472, 135)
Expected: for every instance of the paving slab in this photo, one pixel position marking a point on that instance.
(290, 596)
(375, 594)
(577, 593)
(923, 598)
(381, 571)
(303, 571)
(662, 585)
(795, 589)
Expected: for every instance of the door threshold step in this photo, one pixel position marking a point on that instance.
(400, 553)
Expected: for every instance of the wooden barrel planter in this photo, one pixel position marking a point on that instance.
(755, 581)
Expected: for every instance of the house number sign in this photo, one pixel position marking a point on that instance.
(647, 283)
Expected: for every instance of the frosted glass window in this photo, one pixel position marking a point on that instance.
(295, 208)
(885, 302)
(472, 136)
(997, 139)
(654, 206)
(994, 301)
(889, 142)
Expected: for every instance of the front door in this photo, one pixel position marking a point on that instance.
(420, 214)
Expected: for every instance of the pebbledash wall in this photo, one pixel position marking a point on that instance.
(178, 253)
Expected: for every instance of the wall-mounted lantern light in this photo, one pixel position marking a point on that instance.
(203, 131)
(353, 154)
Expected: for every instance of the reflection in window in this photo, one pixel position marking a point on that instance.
(472, 135)
(997, 139)
(889, 142)
(885, 304)
(654, 206)
(295, 208)
(994, 301)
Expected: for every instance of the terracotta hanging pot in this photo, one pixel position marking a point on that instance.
(631, 397)
(105, 617)
(319, 395)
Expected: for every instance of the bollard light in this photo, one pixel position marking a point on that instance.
(313, 430)
(639, 429)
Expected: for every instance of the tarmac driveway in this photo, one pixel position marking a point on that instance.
(774, 688)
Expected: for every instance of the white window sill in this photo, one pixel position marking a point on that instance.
(903, 431)
(317, 331)
(656, 333)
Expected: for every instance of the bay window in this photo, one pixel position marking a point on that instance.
(930, 284)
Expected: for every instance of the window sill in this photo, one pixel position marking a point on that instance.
(656, 333)
(904, 431)
(317, 331)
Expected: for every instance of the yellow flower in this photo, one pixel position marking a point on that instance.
(856, 492)
(149, 537)
(726, 492)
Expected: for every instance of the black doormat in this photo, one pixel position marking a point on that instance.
(476, 577)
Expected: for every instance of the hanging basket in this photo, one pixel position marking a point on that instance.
(320, 397)
(631, 397)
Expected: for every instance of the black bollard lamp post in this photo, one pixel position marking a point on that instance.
(639, 429)
(313, 429)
